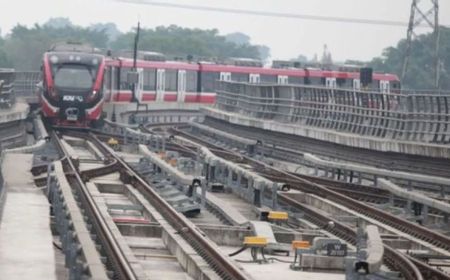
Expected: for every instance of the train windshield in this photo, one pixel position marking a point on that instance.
(74, 76)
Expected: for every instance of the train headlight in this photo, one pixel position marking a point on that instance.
(54, 59)
(94, 92)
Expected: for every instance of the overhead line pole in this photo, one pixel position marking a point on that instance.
(431, 19)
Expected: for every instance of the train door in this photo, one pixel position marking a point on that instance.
(330, 82)
(108, 83)
(356, 84)
(181, 85)
(254, 78)
(160, 84)
(282, 80)
(113, 82)
(385, 86)
(140, 85)
(225, 76)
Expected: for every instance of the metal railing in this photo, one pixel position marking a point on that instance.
(394, 116)
(25, 83)
(7, 97)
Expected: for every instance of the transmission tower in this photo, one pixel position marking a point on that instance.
(423, 14)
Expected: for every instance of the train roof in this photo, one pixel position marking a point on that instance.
(55, 57)
(205, 66)
(251, 70)
(127, 62)
(74, 47)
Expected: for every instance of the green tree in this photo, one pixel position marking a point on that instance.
(181, 42)
(420, 74)
(238, 38)
(109, 28)
(58, 22)
(25, 46)
(4, 61)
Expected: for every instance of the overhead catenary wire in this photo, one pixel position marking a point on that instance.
(268, 13)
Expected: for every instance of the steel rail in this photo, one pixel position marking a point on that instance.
(394, 259)
(307, 186)
(220, 263)
(116, 258)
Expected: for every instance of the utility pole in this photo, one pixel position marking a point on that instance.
(135, 77)
(426, 15)
(135, 50)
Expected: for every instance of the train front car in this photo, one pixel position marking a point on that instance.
(71, 94)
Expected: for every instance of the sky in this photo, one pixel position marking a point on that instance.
(286, 37)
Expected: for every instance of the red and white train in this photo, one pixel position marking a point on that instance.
(71, 93)
(77, 81)
(175, 81)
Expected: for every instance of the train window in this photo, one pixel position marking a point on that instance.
(239, 77)
(295, 80)
(356, 84)
(282, 80)
(107, 78)
(254, 78)
(171, 80)
(115, 77)
(330, 82)
(160, 80)
(181, 80)
(208, 81)
(191, 81)
(225, 76)
(384, 86)
(316, 81)
(268, 79)
(140, 85)
(341, 82)
(149, 79)
(123, 78)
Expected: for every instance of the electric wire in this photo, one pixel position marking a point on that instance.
(271, 14)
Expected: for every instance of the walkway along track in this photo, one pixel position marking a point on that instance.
(306, 184)
(393, 258)
(220, 263)
(116, 260)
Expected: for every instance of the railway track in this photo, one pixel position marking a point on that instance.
(328, 190)
(116, 260)
(397, 161)
(221, 264)
(407, 265)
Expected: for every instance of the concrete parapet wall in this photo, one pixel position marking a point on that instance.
(373, 143)
(157, 111)
(16, 113)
